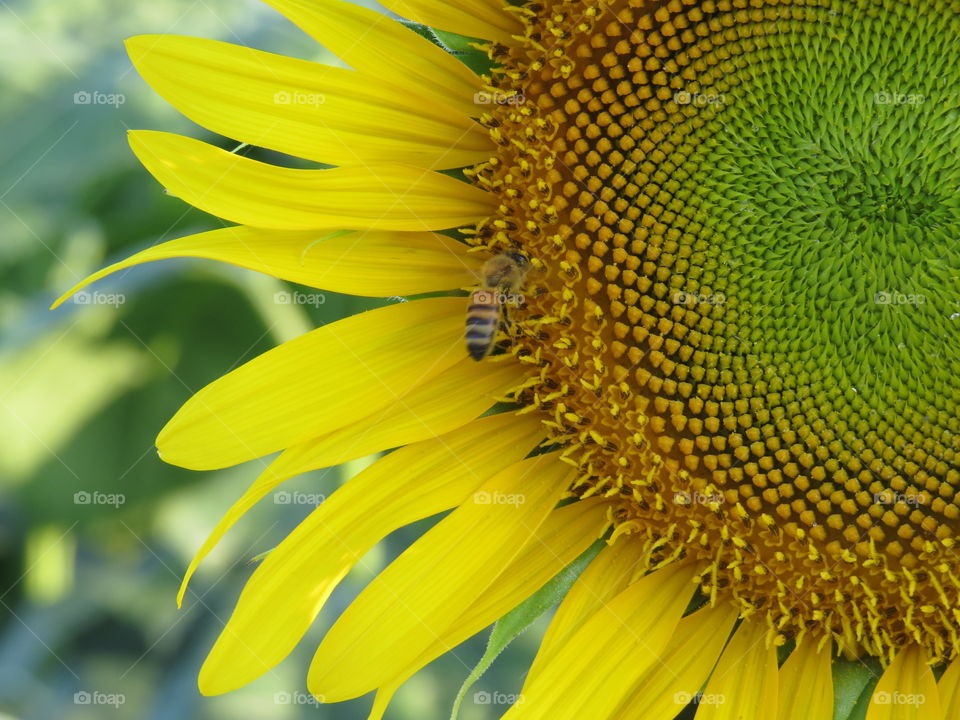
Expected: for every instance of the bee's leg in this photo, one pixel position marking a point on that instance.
(507, 324)
(512, 329)
(503, 290)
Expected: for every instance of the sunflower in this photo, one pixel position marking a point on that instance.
(734, 361)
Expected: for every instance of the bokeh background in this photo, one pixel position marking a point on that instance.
(95, 532)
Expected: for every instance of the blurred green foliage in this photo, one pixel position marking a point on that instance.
(95, 531)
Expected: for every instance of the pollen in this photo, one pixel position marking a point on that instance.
(745, 327)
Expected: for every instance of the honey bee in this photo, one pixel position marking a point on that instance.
(501, 278)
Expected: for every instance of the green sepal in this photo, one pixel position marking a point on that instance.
(853, 684)
(521, 617)
(467, 50)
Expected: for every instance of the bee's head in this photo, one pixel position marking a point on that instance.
(522, 261)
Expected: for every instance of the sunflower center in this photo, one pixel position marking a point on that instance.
(746, 328)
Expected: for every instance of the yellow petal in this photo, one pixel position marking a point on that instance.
(487, 19)
(417, 598)
(684, 667)
(743, 686)
(379, 46)
(949, 689)
(373, 263)
(427, 411)
(806, 684)
(387, 196)
(596, 667)
(607, 576)
(907, 689)
(314, 384)
(562, 538)
(382, 700)
(456, 397)
(301, 108)
(288, 589)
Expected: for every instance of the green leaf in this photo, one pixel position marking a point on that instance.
(853, 683)
(521, 617)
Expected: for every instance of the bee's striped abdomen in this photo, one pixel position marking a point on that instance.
(483, 319)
